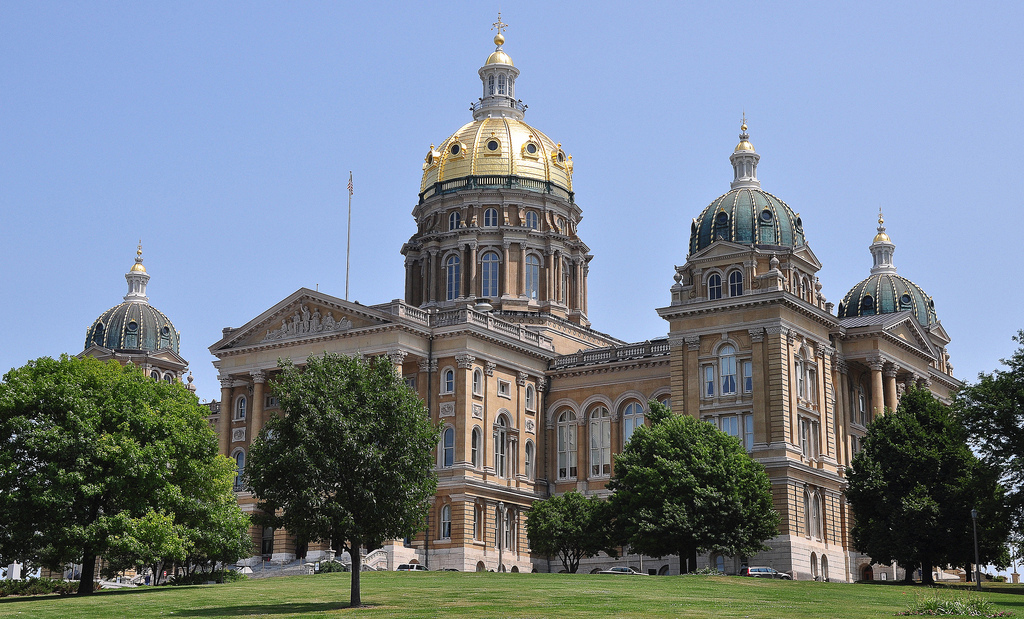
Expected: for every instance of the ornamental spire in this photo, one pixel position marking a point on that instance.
(882, 249)
(137, 279)
(744, 161)
(499, 83)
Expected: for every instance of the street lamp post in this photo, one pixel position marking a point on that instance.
(977, 568)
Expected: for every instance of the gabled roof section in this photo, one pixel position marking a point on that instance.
(303, 314)
(901, 325)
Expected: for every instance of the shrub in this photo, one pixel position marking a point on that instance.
(333, 566)
(37, 586)
(961, 604)
(199, 578)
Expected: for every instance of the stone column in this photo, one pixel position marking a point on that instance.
(259, 377)
(432, 276)
(889, 370)
(694, 388)
(548, 293)
(224, 428)
(843, 411)
(463, 406)
(586, 272)
(582, 447)
(471, 283)
(762, 424)
(877, 397)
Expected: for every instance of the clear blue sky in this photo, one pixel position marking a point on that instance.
(222, 135)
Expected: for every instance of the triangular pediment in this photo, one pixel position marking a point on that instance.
(303, 314)
(719, 249)
(804, 253)
(905, 327)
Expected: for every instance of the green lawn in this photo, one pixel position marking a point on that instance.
(450, 594)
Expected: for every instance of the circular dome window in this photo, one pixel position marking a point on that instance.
(133, 326)
(561, 157)
(430, 158)
(721, 219)
(531, 148)
(766, 216)
(455, 149)
(868, 303)
(166, 330)
(905, 299)
(493, 145)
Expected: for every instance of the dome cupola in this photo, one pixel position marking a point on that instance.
(747, 214)
(134, 324)
(884, 291)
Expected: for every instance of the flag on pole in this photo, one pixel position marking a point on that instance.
(350, 183)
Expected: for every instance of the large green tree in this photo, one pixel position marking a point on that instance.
(569, 526)
(349, 460)
(683, 487)
(912, 488)
(97, 458)
(992, 410)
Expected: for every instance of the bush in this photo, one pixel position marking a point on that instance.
(1000, 579)
(333, 566)
(37, 586)
(961, 604)
(199, 578)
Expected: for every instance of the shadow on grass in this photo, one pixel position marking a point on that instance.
(265, 610)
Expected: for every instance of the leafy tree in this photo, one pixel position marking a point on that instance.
(570, 527)
(350, 461)
(683, 487)
(97, 458)
(992, 410)
(913, 485)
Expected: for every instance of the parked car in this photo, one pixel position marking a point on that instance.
(411, 567)
(622, 570)
(764, 572)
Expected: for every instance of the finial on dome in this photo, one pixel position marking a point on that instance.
(743, 125)
(881, 237)
(138, 259)
(744, 138)
(499, 38)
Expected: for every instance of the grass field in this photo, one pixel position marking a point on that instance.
(450, 594)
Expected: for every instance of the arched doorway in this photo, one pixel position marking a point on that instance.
(480, 567)
(814, 566)
(824, 568)
(866, 573)
(663, 571)
(515, 569)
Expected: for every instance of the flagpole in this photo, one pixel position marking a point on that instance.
(348, 243)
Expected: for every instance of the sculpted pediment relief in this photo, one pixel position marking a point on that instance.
(307, 320)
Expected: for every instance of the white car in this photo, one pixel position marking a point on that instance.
(622, 570)
(411, 567)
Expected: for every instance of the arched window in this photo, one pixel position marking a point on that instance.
(446, 522)
(168, 378)
(454, 220)
(715, 287)
(501, 84)
(727, 367)
(600, 442)
(267, 543)
(720, 564)
(814, 566)
(501, 446)
(240, 405)
(491, 218)
(824, 568)
(801, 376)
(566, 445)
(529, 459)
(97, 337)
(448, 448)
(531, 398)
(489, 274)
(155, 375)
(239, 470)
(632, 418)
(735, 284)
(667, 402)
(448, 381)
(451, 267)
(812, 509)
(474, 447)
(531, 220)
(867, 306)
(532, 276)
(478, 382)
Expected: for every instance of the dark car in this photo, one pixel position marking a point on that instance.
(764, 572)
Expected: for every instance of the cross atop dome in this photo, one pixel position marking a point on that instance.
(500, 26)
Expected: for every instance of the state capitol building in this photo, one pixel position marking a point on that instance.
(533, 401)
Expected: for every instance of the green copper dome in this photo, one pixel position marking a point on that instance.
(749, 216)
(133, 325)
(888, 293)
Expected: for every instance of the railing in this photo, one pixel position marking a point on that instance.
(498, 102)
(373, 559)
(612, 353)
(487, 181)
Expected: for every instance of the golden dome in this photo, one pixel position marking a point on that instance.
(499, 56)
(138, 268)
(882, 237)
(499, 146)
(744, 145)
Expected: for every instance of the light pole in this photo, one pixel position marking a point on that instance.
(977, 568)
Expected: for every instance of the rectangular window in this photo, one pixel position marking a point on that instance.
(801, 381)
(812, 385)
(730, 425)
(504, 388)
(271, 402)
(476, 522)
(709, 381)
(809, 430)
(748, 377)
(862, 405)
(410, 382)
(728, 375)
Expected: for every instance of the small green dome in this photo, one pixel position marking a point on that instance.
(749, 216)
(888, 293)
(133, 326)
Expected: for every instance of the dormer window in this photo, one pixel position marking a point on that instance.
(454, 221)
(491, 218)
(531, 220)
(867, 306)
(493, 146)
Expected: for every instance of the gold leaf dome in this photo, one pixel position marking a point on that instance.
(500, 147)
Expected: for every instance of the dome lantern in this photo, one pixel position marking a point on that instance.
(499, 83)
(882, 249)
(744, 161)
(137, 279)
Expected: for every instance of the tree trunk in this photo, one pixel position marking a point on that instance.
(687, 560)
(926, 574)
(357, 567)
(85, 586)
(908, 574)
